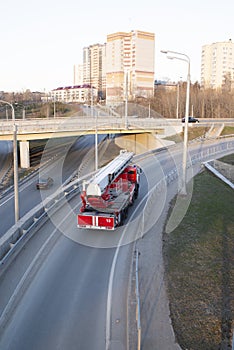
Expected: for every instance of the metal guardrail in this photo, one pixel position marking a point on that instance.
(18, 235)
(174, 174)
(138, 306)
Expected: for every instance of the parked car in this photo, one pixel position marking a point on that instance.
(191, 120)
(45, 183)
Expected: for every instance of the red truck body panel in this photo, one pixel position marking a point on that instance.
(84, 220)
(96, 221)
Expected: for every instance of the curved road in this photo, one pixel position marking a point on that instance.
(73, 294)
(60, 170)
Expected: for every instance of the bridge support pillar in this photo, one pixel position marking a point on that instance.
(24, 154)
(140, 143)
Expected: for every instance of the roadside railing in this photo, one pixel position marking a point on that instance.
(18, 235)
(138, 306)
(159, 190)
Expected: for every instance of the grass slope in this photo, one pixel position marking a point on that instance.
(199, 262)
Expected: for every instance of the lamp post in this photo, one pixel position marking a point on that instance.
(126, 99)
(94, 114)
(15, 160)
(96, 140)
(185, 151)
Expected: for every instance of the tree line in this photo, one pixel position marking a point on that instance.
(168, 101)
(204, 103)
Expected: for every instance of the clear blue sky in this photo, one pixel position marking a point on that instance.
(42, 40)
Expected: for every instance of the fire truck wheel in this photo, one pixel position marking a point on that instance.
(121, 218)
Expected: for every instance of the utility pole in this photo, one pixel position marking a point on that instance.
(15, 160)
(126, 99)
(185, 151)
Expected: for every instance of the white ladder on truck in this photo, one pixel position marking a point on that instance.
(106, 175)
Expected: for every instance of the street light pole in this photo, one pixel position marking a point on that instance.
(96, 140)
(94, 114)
(184, 191)
(16, 183)
(185, 150)
(15, 160)
(126, 99)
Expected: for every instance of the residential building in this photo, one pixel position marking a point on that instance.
(129, 65)
(94, 67)
(217, 64)
(76, 93)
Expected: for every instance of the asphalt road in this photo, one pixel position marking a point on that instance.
(75, 291)
(64, 165)
(72, 302)
(64, 307)
(65, 304)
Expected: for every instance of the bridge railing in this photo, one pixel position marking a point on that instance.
(84, 124)
(65, 124)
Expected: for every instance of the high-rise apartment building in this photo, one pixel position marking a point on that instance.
(217, 64)
(78, 74)
(129, 65)
(94, 67)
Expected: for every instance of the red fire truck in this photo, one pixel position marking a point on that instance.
(107, 196)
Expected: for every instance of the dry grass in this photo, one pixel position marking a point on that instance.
(199, 264)
(228, 130)
(193, 133)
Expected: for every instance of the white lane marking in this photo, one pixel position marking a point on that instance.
(109, 295)
(21, 188)
(111, 278)
(13, 299)
(30, 181)
(110, 289)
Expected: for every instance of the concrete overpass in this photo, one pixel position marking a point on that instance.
(62, 127)
(139, 130)
(36, 129)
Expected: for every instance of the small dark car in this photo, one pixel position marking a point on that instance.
(45, 183)
(191, 120)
